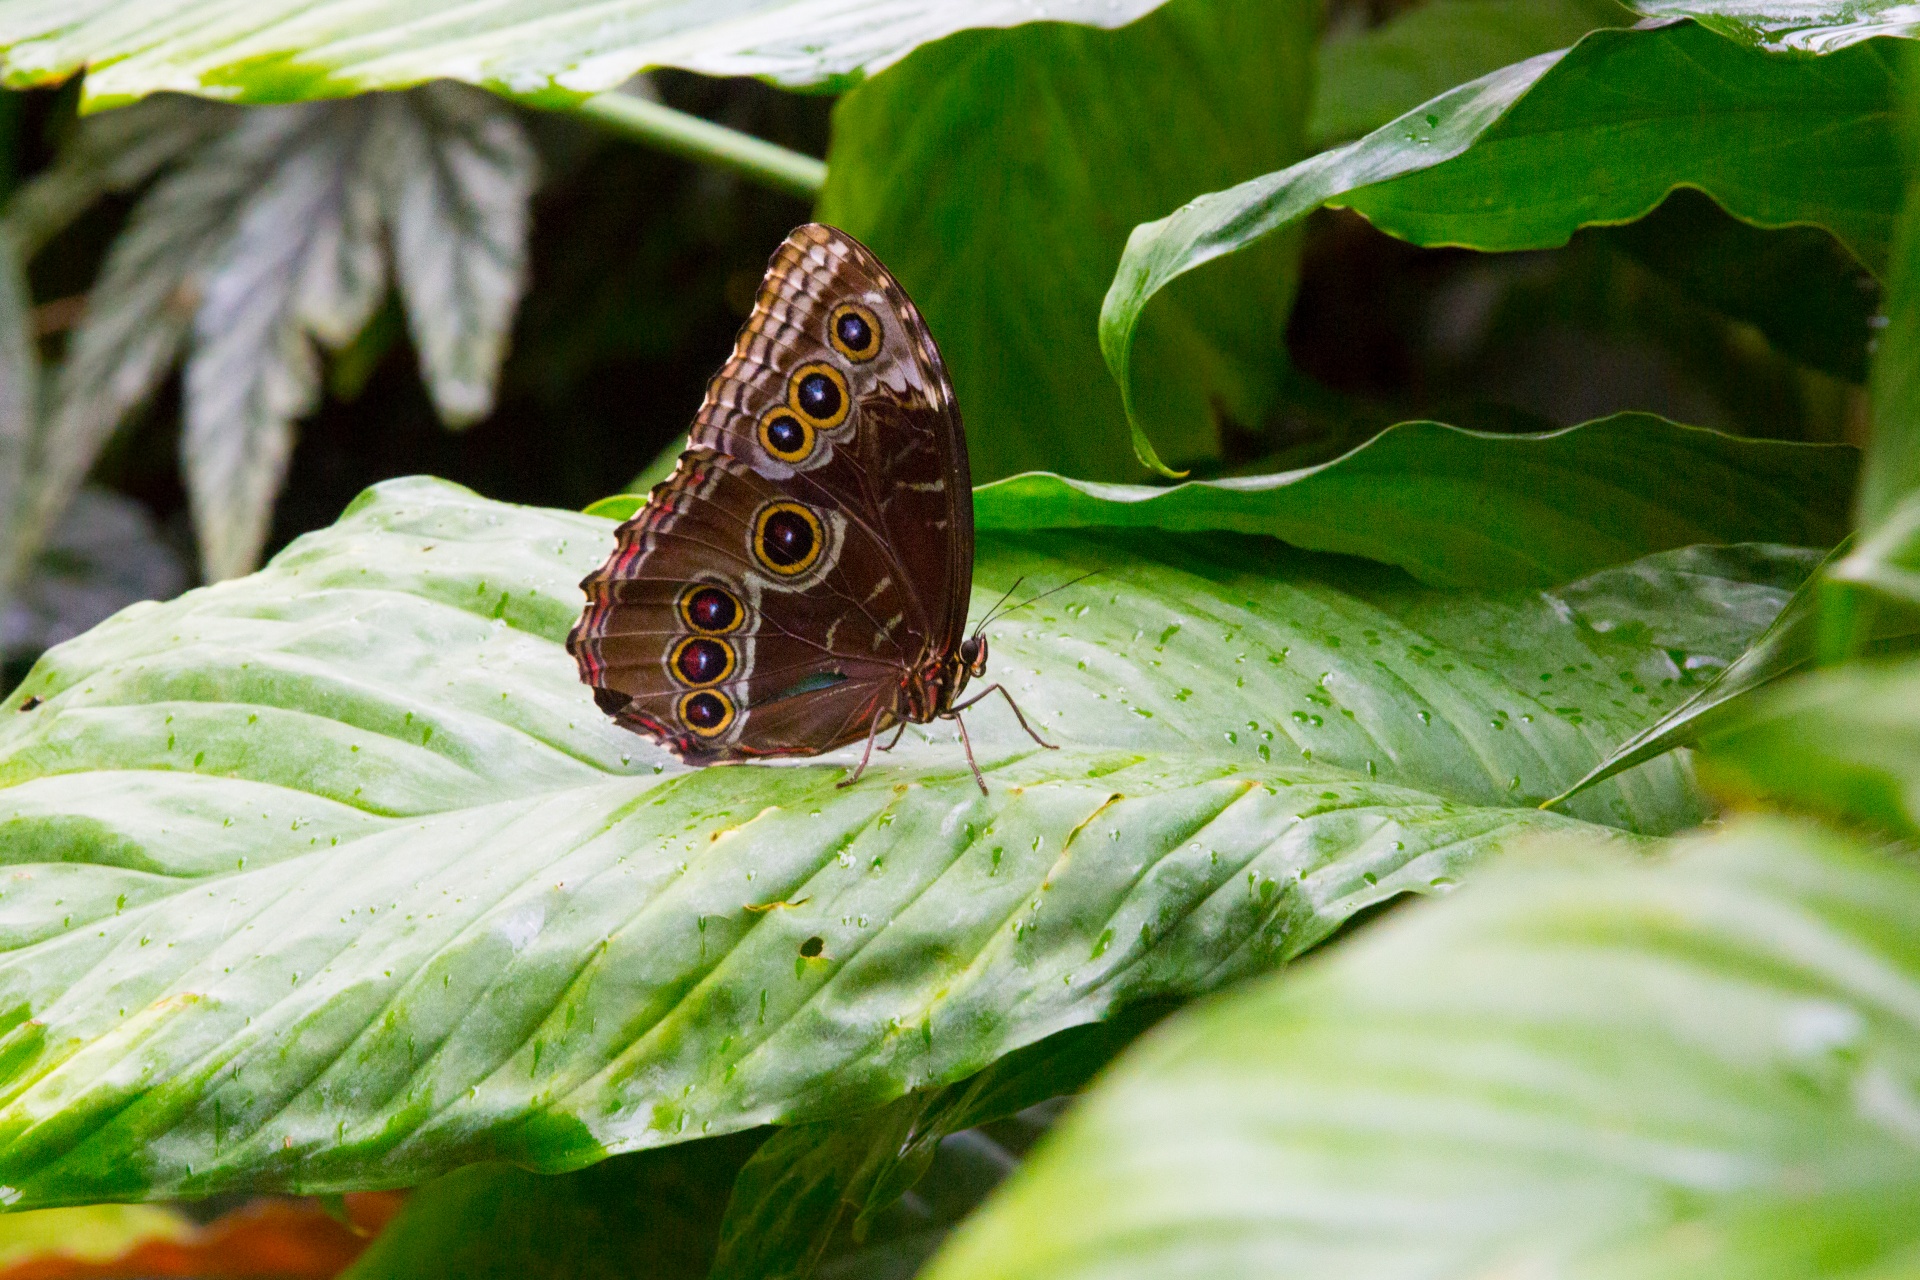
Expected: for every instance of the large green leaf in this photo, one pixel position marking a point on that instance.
(997, 174)
(334, 876)
(1575, 1068)
(281, 50)
(1844, 743)
(1527, 155)
(1469, 509)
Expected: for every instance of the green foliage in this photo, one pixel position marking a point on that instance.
(334, 877)
(1527, 155)
(997, 174)
(1579, 1067)
(351, 795)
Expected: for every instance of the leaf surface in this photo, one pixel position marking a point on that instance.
(996, 174)
(1525, 156)
(282, 50)
(333, 876)
(1472, 509)
(1706, 1067)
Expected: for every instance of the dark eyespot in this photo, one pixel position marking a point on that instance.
(813, 946)
(855, 333)
(711, 609)
(785, 435)
(818, 395)
(786, 538)
(704, 711)
(703, 661)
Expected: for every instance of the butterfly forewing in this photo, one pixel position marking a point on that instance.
(814, 547)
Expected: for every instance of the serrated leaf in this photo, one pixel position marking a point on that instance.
(339, 878)
(303, 261)
(113, 151)
(270, 239)
(19, 389)
(1525, 156)
(1708, 1067)
(456, 177)
(285, 49)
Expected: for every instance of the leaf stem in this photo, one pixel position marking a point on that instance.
(696, 139)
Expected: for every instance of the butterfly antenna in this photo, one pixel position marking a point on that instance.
(997, 603)
(1035, 599)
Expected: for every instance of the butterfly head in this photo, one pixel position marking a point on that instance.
(973, 655)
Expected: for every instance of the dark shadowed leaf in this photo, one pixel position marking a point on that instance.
(1527, 155)
(338, 878)
(1369, 77)
(279, 50)
(654, 1214)
(806, 1179)
(997, 174)
(1578, 1067)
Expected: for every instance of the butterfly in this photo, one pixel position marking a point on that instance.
(801, 580)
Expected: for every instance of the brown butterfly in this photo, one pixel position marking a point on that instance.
(801, 580)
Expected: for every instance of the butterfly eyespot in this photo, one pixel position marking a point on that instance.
(818, 393)
(708, 713)
(785, 436)
(699, 660)
(787, 538)
(854, 332)
(710, 610)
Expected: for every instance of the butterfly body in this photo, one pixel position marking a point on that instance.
(801, 580)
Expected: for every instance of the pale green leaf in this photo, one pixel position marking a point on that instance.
(278, 50)
(1578, 1067)
(339, 878)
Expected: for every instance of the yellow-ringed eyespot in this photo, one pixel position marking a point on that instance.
(698, 660)
(785, 436)
(854, 332)
(707, 712)
(787, 538)
(710, 610)
(818, 393)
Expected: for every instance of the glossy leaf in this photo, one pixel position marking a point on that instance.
(996, 173)
(1892, 473)
(1525, 156)
(339, 879)
(1367, 78)
(1578, 1067)
(1465, 508)
(1843, 742)
(1805, 26)
(283, 50)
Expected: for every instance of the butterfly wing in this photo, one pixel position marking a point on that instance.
(815, 545)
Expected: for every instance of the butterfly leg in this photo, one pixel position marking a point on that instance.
(873, 731)
(1002, 691)
(896, 737)
(967, 742)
